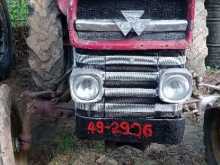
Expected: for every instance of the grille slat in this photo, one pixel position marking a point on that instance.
(109, 25)
(145, 36)
(126, 109)
(133, 100)
(130, 92)
(131, 76)
(130, 60)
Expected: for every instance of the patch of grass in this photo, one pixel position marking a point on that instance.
(18, 10)
(65, 143)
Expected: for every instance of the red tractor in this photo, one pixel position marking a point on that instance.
(124, 62)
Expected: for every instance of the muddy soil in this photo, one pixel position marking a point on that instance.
(54, 142)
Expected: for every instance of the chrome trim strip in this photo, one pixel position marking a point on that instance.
(130, 60)
(130, 92)
(128, 108)
(180, 60)
(131, 76)
(108, 25)
(90, 107)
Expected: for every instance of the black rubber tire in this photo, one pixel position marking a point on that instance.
(212, 136)
(213, 40)
(7, 58)
(45, 41)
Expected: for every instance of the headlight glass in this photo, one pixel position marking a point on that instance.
(176, 87)
(86, 87)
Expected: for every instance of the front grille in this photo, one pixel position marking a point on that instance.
(131, 81)
(167, 19)
(111, 9)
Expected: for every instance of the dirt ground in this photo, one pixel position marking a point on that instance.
(54, 142)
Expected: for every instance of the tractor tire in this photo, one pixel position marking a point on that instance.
(212, 136)
(213, 40)
(6, 46)
(10, 127)
(197, 52)
(45, 41)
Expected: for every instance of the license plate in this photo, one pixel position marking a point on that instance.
(134, 129)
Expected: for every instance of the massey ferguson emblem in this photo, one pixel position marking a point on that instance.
(133, 22)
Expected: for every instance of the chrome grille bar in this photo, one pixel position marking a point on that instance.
(130, 92)
(128, 108)
(130, 60)
(180, 60)
(141, 108)
(91, 107)
(108, 25)
(131, 76)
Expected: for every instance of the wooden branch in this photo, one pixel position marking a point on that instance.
(215, 87)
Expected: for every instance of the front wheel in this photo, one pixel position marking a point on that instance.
(45, 41)
(6, 46)
(212, 136)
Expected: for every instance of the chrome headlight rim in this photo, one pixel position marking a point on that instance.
(93, 74)
(178, 73)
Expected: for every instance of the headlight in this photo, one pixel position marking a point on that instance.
(175, 85)
(86, 85)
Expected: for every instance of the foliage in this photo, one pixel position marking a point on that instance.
(18, 10)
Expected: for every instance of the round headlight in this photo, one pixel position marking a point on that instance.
(176, 88)
(86, 87)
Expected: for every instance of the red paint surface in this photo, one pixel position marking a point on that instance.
(121, 128)
(63, 6)
(128, 44)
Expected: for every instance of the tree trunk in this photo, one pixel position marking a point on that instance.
(6, 148)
